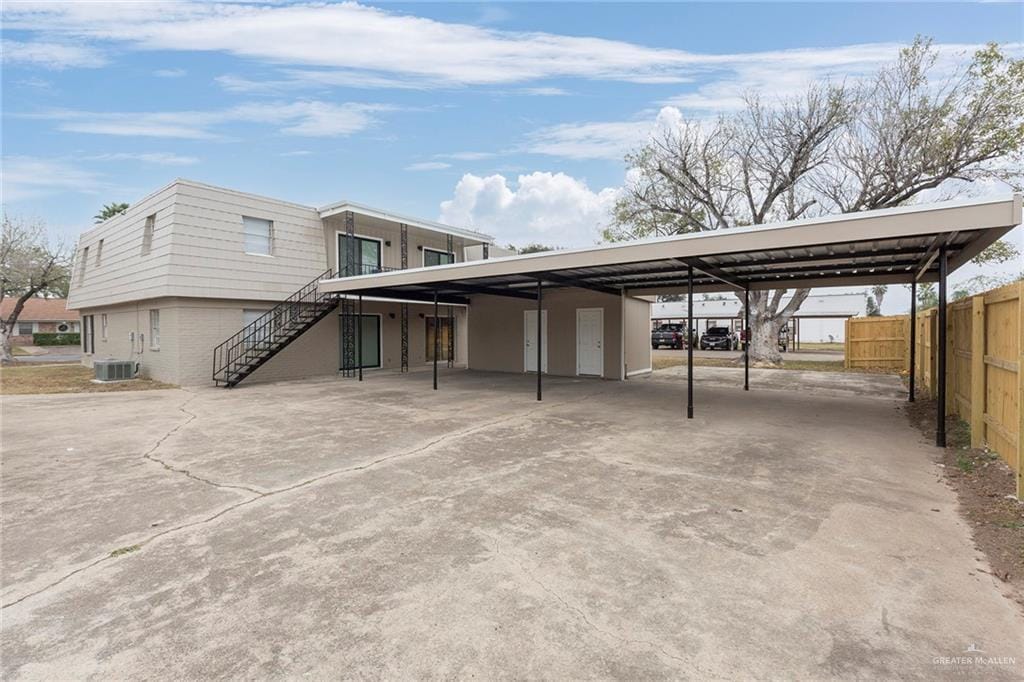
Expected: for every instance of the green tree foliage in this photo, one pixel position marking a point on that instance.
(833, 149)
(109, 211)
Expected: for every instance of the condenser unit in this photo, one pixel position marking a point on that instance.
(113, 370)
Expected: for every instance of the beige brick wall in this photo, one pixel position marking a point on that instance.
(191, 328)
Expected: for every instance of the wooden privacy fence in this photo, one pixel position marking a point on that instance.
(984, 357)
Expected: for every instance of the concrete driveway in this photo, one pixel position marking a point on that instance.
(330, 529)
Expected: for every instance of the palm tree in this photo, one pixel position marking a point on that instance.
(878, 291)
(109, 211)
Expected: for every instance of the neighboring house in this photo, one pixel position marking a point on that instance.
(189, 266)
(40, 315)
(821, 318)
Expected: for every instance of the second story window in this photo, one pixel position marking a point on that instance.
(365, 256)
(81, 265)
(259, 235)
(434, 257)
(147, 234)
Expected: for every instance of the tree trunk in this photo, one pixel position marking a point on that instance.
(767, 319)
(5, 345)
(764, 342)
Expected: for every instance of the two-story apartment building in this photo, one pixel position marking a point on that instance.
(187, 267)
(195, 283)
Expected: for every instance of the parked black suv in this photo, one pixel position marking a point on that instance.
(671, 335)
(719, 338)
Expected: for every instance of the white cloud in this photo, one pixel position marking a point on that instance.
(169, 73)
(550, 208)
(428, 166)
(49, 55)
(157, 158)
(27, 177)
(352, 40)
(304, 118)
(297, 152)
(597, 140)
(467, 156)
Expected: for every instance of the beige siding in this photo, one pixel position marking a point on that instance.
(637, 334)
(496, 331)
(124, 273)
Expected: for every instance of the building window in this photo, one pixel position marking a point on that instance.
(154, 330)
(147, 234)
(81, 265)
(367, 256)
(434, 257)
(259, 235)
(103, 326)
(25, 329)
(99, 252)
(88, 342)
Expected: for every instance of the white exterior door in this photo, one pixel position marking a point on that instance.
(589, 341)
(530, 340)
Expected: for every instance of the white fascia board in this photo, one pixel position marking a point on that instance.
(343, 206)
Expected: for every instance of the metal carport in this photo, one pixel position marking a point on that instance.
(904, 245)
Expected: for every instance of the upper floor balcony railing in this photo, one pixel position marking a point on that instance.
(363, 269)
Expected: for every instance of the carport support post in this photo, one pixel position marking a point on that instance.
(359, 339)
(913, 339)
(540, 336)
(746, 337)
(437, 337)
(940, 405)
(689, 345)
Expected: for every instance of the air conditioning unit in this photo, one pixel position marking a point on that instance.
(113, 370)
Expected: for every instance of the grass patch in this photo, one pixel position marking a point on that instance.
(121, 551)
(18, 351)
(965, 464)
(804, 365)
(805, 345)
(32, 379)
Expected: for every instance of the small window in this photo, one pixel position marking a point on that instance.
(81, 265)
(99, 252)
(154, 330)
(88, 342)
(103, 326)
(25, 329)
(147, 234)
(432, 257)
(259, 234)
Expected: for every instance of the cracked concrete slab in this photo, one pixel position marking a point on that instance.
(391, 531)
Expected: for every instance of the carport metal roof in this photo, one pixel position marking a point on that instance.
(888, 246)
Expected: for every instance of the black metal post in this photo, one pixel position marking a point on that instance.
(940, 408)
(437, 340)
(689, 345)
(540, 336)
(359, 339)
(913, 340)
(746, 338)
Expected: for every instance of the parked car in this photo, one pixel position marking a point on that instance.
(671, 335)
(719, 338)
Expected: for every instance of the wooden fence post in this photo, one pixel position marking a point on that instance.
(847, 345)
(978, 371)
(1020, 389)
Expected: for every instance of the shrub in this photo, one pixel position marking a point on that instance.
(56, 339)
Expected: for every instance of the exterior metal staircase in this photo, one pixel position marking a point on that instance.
(271, 332)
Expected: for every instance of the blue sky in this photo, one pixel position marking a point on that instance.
(512, 118)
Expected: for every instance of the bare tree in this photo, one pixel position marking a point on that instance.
(878, 144)
(30, 265)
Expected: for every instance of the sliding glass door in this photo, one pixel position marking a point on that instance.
(367, 255)
(368, 345)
